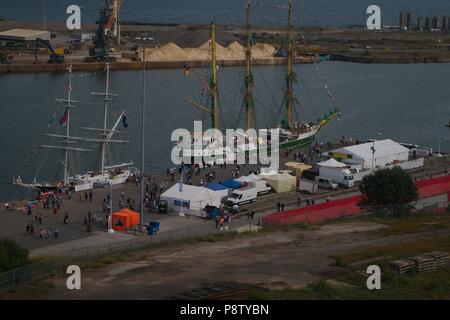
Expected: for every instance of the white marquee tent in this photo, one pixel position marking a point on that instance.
(282, 182)
(332, 163)
(386, 152)
(192, 198)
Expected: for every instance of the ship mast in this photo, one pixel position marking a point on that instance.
(106, 133)
(249, 101)
(214, 122)
(289, 76)
(67, 139)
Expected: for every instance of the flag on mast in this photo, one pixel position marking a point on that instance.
(63, 119)
(124, 120)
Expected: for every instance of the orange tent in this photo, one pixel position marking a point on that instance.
(124, 219)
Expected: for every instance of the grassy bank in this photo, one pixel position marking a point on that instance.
(352, 285)
(351, 282)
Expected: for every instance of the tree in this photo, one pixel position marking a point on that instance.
(12, 255)
(392, 188)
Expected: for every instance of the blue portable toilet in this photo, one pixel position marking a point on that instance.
(155, 225)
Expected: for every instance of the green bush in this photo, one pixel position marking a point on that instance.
(12, 255)
(389, 188)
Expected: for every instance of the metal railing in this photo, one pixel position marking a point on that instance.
(29, 273)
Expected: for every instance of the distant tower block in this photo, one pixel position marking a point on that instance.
(420, 23)
(445, 23)
(435, 23)
(427, 23)
(409, 20)
(402, 21)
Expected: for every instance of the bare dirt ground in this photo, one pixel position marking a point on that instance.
(289, 259)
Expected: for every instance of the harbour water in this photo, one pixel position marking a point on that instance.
(407, 103)
(321, 13)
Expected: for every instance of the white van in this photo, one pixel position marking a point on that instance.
(262, 187)
(327, 183)
(241, 196)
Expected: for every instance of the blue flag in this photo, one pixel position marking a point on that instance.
(124, 120)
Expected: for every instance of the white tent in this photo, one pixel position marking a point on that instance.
(282, 182)
(250, 178)
(192, 198)
(332, 163)
(386, 152)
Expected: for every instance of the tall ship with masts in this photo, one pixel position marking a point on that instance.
(70, 144)
(297, 134)
(293, 134)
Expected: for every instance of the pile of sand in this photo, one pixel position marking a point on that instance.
(168, 52)
(234, 51)
(262, 50)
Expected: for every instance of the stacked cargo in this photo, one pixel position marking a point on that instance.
(441, 259)
(424, 263)
(402, 265)
(428, 262)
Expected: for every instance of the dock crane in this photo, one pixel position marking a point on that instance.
(107, 30)
(54, 57)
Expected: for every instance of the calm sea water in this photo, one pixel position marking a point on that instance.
(266, 12)
(408, 103)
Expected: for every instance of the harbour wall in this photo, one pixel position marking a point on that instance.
(95, 66)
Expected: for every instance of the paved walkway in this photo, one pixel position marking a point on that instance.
(173, 228)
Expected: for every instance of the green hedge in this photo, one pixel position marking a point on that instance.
(12, 255)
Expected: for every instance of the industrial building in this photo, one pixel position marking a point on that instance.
(22, 37)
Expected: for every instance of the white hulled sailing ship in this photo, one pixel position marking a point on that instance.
(107, 174)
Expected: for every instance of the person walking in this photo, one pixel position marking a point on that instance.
(40, 218)
(252, 214)
(278, 206)
(91, 195)
(217, 222)
(282, 207)
(56, 234)
(66, 218)
(85, 196)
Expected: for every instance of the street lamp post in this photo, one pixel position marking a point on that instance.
(141, 211)
(373, 155)
(110, 228)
